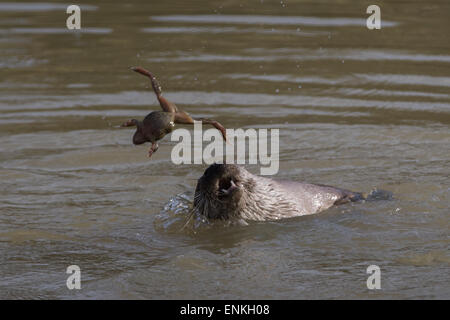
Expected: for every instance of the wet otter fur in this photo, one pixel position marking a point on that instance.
(228, 192)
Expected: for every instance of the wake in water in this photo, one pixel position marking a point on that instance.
(378, 194)
(178, 215)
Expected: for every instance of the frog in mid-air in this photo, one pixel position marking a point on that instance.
(159, 123)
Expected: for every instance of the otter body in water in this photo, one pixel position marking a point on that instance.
(228, 191)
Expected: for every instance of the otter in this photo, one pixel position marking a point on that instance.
(159, 123)
(230, 192)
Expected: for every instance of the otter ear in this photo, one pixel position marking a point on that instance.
(138, 138)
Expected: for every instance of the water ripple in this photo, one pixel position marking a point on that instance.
(270, 20)
(39, 7)
(217, 30)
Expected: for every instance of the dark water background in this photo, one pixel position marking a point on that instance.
(356, 108)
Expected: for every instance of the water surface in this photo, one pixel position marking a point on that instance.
(356, 108)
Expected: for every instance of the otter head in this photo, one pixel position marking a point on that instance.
(221, 191)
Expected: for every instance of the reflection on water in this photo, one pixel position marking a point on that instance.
(39, 7)
(53, 30)
(356, 109)
(229, 30)
(268, 20)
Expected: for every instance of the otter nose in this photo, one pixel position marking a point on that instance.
(227, 186)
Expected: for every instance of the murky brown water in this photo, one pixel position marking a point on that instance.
(356, 109)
